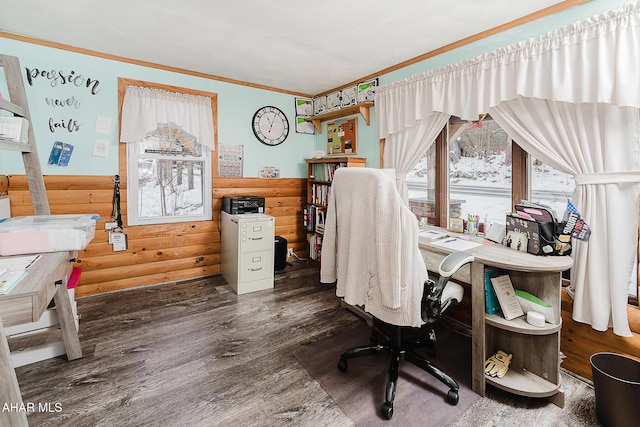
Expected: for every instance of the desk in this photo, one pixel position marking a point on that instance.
(535, 368)
(46, 280)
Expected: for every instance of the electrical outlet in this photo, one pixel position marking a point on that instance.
(289, 252)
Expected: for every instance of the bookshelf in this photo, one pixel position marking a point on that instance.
(319, 178)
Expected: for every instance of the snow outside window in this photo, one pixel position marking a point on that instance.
(169, 177)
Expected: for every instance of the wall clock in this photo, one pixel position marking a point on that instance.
(270, 125)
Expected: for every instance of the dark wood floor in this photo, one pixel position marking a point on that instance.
(193, 354)
(196, 354)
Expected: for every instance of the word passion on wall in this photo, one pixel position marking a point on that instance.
(60, 77)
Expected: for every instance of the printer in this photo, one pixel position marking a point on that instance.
(243, 205)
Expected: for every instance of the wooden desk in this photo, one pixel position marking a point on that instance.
(46, 280)
(535, 368)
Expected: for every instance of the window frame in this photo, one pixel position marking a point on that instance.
(211, 158)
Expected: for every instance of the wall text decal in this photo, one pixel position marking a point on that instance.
(61, 77)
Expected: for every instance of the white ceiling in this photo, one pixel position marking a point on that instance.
(294, 45)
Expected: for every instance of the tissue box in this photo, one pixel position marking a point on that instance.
(46, 233)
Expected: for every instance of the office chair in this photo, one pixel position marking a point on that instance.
(370, 250)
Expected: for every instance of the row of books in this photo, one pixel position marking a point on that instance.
(315, 246)
(313, 219)
(320, 194)
(325, 171)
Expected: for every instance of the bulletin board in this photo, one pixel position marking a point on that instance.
(342, 136)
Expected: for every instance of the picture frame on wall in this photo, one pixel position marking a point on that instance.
(304, 126)
(333, 100)
(349, 96)
(367, 90)
(319, 105)
(304, 107)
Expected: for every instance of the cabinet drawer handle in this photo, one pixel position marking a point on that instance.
(256, 238)
(256, 269)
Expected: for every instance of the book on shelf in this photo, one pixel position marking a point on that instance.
(315, 246)
(507, 297)
(492, 306)
(320, 194)
(314, 217)
(325, 171)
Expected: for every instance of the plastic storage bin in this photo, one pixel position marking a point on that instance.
(46, 233)
(616, 380)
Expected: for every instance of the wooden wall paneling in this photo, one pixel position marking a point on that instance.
(579, 341)
(162, 252)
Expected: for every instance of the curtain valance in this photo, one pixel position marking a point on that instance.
(580, 63)
(144, 108)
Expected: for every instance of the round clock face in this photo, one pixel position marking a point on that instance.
(270, 125)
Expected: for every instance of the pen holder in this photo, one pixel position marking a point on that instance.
(472, 227)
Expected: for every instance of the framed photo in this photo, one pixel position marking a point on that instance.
(319, 105)
(333, 100)
(367, 90)
(269, 172)
(349, 96)
(304, 107)
(303, 126)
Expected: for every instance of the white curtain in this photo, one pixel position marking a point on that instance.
(599, 145)
(594, 61)
(144, 108)
(402, 150)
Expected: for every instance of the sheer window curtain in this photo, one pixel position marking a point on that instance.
(594, 61)
(598, 144)
(402, 150)
(144, 108)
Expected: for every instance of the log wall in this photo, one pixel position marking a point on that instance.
(164, 252)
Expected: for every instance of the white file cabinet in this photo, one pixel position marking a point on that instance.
(247, 251)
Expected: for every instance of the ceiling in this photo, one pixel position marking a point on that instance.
(293, 45)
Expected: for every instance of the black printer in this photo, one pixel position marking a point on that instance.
(243, 205)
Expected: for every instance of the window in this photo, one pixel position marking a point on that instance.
(169, 178)
(170, 134)
(479, 171)
(487, 174)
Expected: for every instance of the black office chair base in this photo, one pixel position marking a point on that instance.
(399, 350)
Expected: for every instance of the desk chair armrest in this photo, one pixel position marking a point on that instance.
(432, 304)
(453, 262)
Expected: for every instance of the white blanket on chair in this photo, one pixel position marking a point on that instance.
(370, 247)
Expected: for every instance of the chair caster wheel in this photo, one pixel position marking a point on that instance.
(387, 410)
(453, 397)
(342, 365)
